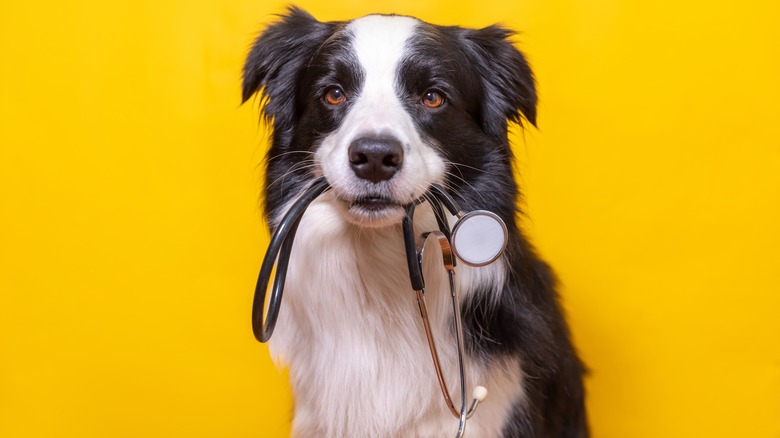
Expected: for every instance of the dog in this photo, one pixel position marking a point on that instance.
(383, 107)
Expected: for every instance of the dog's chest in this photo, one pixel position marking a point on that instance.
(351, 333)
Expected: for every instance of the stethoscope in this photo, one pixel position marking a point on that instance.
(477, 238)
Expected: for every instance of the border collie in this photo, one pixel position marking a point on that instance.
(384, 106)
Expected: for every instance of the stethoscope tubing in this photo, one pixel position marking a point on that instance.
(279, 249)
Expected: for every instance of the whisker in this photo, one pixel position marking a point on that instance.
(454, 164)
(284, 154)
(460, 178)
(301, 165)
(438, 213)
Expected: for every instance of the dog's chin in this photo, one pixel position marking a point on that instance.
(373, 212)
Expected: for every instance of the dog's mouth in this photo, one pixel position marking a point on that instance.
(374, 203)
(371, 205)
(374, 211)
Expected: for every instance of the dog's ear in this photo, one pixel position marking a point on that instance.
(277, 60)
(509, 86)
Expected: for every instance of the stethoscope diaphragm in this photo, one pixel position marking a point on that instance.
(479, 238)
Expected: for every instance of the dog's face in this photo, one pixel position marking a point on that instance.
(384, 106)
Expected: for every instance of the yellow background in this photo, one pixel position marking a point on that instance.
(130, 235)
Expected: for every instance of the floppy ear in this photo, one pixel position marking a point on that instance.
(509, 86)
(277, 61)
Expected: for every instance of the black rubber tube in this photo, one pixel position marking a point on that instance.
(279, 249)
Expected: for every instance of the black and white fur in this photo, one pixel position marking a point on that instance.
(347, 100)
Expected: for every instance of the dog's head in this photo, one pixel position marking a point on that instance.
(384, 106)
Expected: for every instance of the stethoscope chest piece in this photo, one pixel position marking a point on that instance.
(479, 238)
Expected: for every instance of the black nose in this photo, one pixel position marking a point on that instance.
(376, 158)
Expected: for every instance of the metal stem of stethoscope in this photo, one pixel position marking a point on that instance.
(480, 392)
(443, 237)
(484, 251)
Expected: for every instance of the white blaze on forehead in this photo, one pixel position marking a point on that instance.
(379, 43)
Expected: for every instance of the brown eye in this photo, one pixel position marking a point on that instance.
(334, 96)
(432, 99)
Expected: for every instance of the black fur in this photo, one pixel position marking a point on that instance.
(488, 84)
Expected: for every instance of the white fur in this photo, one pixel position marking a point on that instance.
(349, 327)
